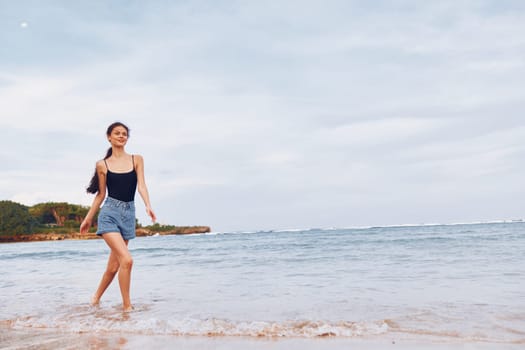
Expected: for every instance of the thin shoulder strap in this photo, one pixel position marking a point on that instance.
(107, 168)
(133, 161)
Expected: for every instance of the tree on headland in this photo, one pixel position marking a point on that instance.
(15, 218)
(61, 220)
(58, 214)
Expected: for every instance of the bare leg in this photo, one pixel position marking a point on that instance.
(107, 277)
(119, 249)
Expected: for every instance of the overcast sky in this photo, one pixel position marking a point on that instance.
(271, 114)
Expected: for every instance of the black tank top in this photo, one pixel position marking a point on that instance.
(122, 186)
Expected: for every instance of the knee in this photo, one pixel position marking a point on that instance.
(113, 269)
(126, 262)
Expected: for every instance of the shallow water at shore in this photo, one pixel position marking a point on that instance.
(455, 283)
(51, 340)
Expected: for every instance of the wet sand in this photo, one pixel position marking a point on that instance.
(47, 339)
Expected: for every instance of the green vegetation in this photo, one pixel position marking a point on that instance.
(63, 218)
(173, 230)
(15, 218)
(160, 228)
(57, 217)
(59, 214)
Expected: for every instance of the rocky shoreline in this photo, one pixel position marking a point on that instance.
(51, 236)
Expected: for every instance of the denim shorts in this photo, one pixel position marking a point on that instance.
(117, 216)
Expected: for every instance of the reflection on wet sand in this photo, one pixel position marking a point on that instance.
(96, 342)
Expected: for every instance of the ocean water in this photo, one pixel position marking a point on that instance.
(462, 283)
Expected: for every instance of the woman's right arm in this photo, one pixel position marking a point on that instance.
(99, 197)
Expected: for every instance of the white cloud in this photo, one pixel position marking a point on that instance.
(373, 133)
(275, 112)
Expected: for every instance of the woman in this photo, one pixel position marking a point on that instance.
(121, 173)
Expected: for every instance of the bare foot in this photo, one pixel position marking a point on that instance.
(128, 308)
(95, 301)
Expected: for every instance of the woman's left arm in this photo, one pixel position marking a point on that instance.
(141, 184)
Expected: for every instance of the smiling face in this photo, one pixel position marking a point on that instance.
(118, 136)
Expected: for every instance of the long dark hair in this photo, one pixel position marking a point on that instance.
(93, 184)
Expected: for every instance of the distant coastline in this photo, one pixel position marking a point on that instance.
(141, 232)
(56, 221)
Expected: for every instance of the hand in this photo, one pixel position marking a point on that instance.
(151, 214)
(85, 225)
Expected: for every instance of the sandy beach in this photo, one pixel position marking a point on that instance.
(47, 339)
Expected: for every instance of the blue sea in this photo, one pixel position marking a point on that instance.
(462, 283)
